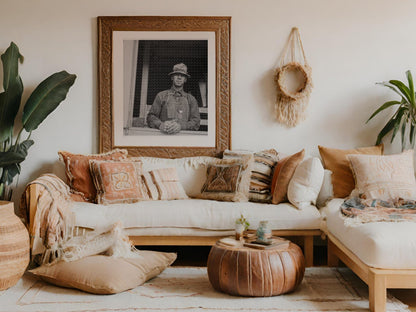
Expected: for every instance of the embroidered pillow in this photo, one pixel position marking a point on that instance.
(384, 177)
(118, 181)
(283, 172)
(336, 161)
(164, 184)
(228, 179)
(77, 169)
(261, 172)
(106, 275)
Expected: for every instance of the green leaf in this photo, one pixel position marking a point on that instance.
(398, 121)
(383, 107)
(411, 88)
(392, 87)
(403, 133)
(10, 60)
(16, 154)
(403, 89)
(45, 98)
(387, 128)
(13, 89)
(9, 172)
(412, 135)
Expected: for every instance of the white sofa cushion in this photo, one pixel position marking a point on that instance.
(306, 183)
(191, 170)
(385, 245)
(195, 213)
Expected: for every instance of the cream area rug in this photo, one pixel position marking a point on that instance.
(188, 289)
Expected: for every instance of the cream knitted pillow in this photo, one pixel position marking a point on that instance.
(384, 177)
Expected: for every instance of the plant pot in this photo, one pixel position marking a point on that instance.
(14, 246)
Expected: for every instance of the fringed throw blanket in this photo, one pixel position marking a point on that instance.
(359, 210)
(51, 227)
(50, 221)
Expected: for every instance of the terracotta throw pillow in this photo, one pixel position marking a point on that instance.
(118, 181)
(283, 172)
(228, 179)
(336, 161)
(384, 177)
(77, 169)
(106, 275)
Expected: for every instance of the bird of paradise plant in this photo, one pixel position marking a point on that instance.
(44, 99)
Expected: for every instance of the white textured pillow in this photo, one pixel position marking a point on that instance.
(327, 190)
(306, 183)
(384, 177)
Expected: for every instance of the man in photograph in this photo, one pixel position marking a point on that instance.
(174, 109)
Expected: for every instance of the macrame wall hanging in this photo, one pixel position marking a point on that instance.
(293, 82)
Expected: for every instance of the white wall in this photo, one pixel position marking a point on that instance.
(350, 45)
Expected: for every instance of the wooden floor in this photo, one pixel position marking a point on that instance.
(198, 255)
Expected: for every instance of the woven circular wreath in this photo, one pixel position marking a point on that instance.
(305, 83)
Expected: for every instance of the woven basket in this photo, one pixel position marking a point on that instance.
(14, 246)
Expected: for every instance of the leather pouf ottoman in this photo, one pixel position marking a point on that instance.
(246, 271)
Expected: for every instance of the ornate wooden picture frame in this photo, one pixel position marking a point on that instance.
(137, 56)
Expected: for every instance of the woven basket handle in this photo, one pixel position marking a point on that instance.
(293, 49)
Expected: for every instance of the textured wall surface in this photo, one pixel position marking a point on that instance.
(349, 44)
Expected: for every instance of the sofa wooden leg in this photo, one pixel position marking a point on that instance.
(377, 292)
(308, 250)
(333, 260)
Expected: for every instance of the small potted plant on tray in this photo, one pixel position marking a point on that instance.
(241, 225)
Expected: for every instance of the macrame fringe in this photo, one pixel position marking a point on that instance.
(290, 106)
(291, 112)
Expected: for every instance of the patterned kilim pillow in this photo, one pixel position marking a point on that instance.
(228, 179)
(261, 172)
(118, 181)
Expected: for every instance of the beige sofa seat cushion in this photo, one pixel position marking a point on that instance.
(195, 213)
(385, 245)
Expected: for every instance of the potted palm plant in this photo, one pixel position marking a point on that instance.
(404, 117)
(41, 102)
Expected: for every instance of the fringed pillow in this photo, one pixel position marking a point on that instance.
(261, 172)
(77, 169)
(228, 179)
(118, 181)
(164, 184)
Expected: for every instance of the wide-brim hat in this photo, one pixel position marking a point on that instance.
(180, 69)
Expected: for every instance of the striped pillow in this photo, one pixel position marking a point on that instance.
(261, 172)
(164, 184)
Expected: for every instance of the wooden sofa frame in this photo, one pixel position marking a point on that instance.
(305, 236)
(378, 280)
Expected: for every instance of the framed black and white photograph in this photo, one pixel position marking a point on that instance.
(164, 85)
